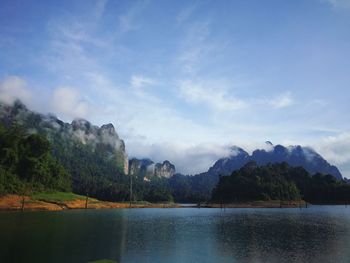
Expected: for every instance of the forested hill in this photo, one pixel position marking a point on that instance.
(93, 158)
(40, 152)
(279, 182)
(295, 156)
(26, 164)
(103, 140)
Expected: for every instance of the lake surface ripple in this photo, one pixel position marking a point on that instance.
(316, 234)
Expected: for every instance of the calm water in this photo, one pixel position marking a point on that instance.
(317, 234)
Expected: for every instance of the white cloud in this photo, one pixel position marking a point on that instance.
(139, 81)
(66, 54)
(281, 101)
(12, 88)
(76, 44)
(193, 158)
(128, 20)
(68, 103)
(342, 4)
(188, 158)
(127, 24)
(185, 13)
(140, 109)
(85, 56)
(336, 148)
(143, 87)
(210, 94)
(195, 46)
(100, 7)
(98, 80)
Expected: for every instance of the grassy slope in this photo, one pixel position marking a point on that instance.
(58, 197)
(55, 201)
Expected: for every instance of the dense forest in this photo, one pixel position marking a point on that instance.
(29, 163)
(93, 169)
(26, 164)
(41, 153)
(192, 189)
(279, 182)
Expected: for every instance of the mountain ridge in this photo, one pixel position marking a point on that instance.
(107, 138)
(81, 130)
(146, 168)
(294, 155)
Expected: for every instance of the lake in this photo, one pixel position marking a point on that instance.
(314, 234)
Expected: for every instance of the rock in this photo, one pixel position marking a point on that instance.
(293, 155)
(105, 138)
(146, 168)
(166, 169)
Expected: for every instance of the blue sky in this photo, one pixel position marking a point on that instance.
(184, 80)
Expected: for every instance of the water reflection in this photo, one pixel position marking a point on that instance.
(318, 234)
(69, 236)
(279, 236)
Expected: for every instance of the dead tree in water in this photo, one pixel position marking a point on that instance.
(26, 190)
(86, 200)
(88, 186)
(22, 207)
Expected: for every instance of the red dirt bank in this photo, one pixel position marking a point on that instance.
(14, 202)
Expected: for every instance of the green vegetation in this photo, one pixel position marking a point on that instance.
(279, 182)
(41, 154)
(191, 189)
(56, 196)
(93, 172)
(30, 163)
(26, 164)
(95, 169)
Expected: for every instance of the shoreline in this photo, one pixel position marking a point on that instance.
(14, 203)
(258, 204)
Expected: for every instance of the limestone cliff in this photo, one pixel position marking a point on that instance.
(166, 169)
(103, 139)
(146, 168)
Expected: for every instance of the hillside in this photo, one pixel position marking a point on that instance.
(93, 157)
(94, 162)
(279, 182)
(295, 156)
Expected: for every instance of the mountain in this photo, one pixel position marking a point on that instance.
(27, 164)
(93, 159)
(305, 157)
(280, 181)
(225, 166)
(146, 168)
(202, 184)
(96, 161)
(253, 182)
(295, 156)
(104, 139)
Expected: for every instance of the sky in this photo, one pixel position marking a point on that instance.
(186, 80)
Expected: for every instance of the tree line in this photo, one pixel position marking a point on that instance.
(280, 182)
(26, 163)
(32, 163)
